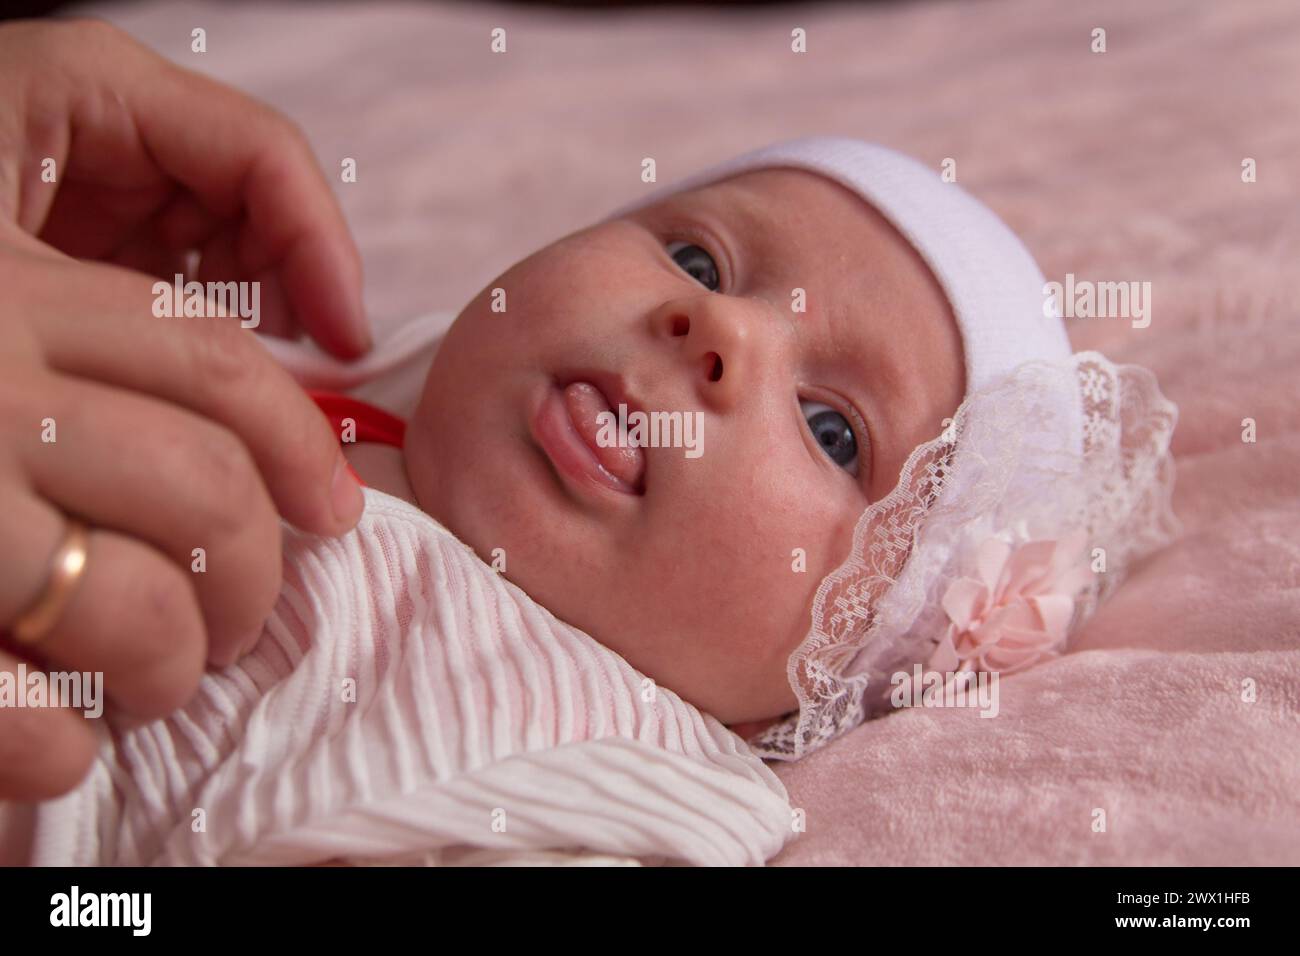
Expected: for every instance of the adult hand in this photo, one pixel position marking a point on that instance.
(161, 435)
(151, 161)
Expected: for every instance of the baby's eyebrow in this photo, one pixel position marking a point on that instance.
(726, 200)
(754, 216)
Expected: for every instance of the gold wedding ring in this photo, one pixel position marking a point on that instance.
(66, 568)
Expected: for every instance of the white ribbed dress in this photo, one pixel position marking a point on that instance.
(406, 703)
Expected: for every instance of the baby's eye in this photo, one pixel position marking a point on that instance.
(696, 263)
(833, 433)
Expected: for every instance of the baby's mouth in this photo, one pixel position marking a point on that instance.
(597, 423)
(577, 429)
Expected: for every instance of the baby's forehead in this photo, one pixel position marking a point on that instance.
(786, 203)
(800, 225)
(779, 188)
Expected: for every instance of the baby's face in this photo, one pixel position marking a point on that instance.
(700, 571)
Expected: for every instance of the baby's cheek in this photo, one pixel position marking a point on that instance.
(741, 576)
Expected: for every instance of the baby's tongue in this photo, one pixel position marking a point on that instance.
(585, 401)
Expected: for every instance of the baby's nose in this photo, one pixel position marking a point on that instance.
(715, 335)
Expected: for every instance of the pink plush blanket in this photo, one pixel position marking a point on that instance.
(1176, 724)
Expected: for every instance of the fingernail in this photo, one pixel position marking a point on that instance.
(345, 493)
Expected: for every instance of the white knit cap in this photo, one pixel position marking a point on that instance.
(991, 281)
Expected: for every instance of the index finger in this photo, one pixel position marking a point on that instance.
(240, 159)
(95, 324)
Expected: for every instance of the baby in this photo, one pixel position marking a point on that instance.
(684, 566)
(826, 304)
(902, 462)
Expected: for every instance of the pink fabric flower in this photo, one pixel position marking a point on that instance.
(1018, 611)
